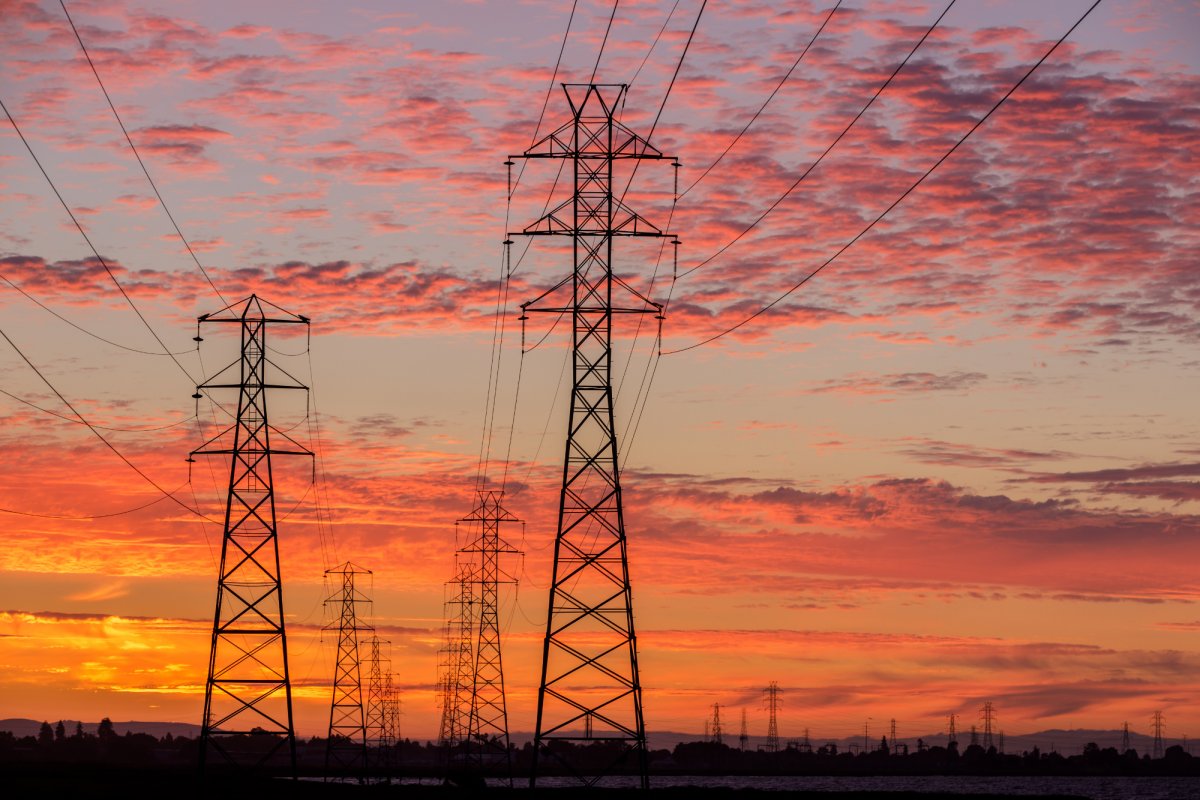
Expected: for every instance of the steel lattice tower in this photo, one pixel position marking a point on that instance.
(375, 720)
(248, 692)
(772, 696)
(487, 731)
(718, 736)
(1124, 738)
(952, 736)
(590, 690)
(1158, 734)
(744, 736)
(346, 748)
(459, 678)
(989, 718)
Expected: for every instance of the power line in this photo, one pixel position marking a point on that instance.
(155, 501)
(898, 200)
(770, 97)
(604, 41)
(99, 258)
(138, 156)
(99, 435)
(80, 328)
(832, 145)
(64, 417)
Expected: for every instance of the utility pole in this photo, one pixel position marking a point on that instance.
(346, 747)
(488, 724)
(1158, 734)
(988, 718)
(744, 736)
(248, 691)
(590, 678)
(772, 697)
(717, 736)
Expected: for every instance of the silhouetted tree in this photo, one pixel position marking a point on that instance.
(78, 730)
(60, 731)
(45, 735)
(106, 730)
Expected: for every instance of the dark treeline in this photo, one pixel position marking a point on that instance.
(55, 744)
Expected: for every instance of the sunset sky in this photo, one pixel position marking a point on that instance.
(956, 466)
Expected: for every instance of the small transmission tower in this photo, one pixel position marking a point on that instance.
(989, 717)
(1125, 738)
(717, 736)
(771, 693)
(488, 724)
(590, 690)
(346, 748)
(952, 736)
(376, 721)
(744, 736)
(1158, 734)
(248, 691)
(459, 680)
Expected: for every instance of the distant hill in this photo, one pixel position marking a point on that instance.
(30, 727)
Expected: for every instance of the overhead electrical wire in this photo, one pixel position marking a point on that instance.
(899, 199)
(604, 41)
(97, 433)
(65, 418)
(827, 150)
(78, 226)
(770, 97)
(138, 155)
(82, 329)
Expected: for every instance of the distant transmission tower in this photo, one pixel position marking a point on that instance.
(744, 736)
(376, 705)
(988, 718)
(346, 748)
(1125, 738)
(590, 690)
(892, 739)
(1158, 734)
(248, 691)
(952, 737)
(717, 736)
(488, 722)
(459, 679)
(771, 694)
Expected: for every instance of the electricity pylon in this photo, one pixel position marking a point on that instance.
(1158, 734)
(248, 691)
(590, 691)
(346, 748)
(989, 718)
(771, 694)
(459, 679)
(744, 736)
(375, 720)
(487, 732)
(952, 736)
(718, 736)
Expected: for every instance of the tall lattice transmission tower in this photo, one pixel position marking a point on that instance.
(248, 692)
(1124, 738)
(590, 690)
(487, 729)
(987, 713)
(346, 748)
(771, 697)
(744, 735)
(952, 736)
(1158, 734)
